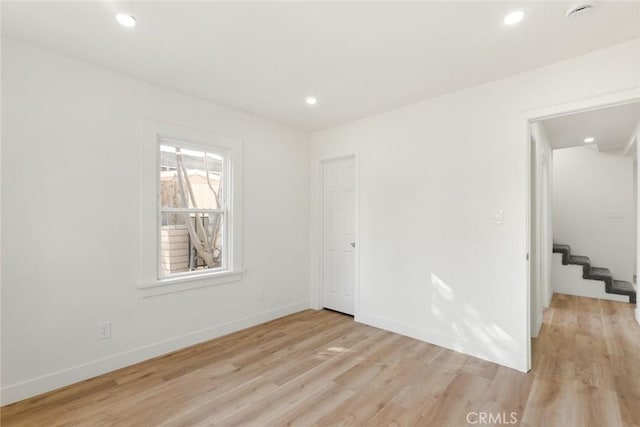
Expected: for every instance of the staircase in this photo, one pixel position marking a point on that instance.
(611, 286)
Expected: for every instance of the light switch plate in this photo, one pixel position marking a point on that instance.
(615, 212)
(498, 217)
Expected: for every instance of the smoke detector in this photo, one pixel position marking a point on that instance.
(579, 9)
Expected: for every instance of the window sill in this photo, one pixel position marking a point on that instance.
(184, 283)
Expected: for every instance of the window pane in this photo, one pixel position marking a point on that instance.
(190, 178)
(190, 242)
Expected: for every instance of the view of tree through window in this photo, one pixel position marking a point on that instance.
(192, 209)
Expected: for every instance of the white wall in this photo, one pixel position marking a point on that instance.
(431, 176)
(587, 184)
(70, 223)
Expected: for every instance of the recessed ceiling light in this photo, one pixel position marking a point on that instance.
(514, 17)
(589, 140)
(126, 20)
(311, 100)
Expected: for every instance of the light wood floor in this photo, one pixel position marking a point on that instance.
(321, 368)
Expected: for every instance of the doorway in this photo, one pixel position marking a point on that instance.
(338, 234)
(574, 125)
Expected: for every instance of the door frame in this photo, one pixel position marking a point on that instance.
(535, 253)
(544, 212)
(528, 117)
(356, 229)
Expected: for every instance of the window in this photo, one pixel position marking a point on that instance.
(191, 210)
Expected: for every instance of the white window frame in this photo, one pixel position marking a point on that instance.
(151, 282)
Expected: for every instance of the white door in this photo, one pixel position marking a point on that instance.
(338, 240)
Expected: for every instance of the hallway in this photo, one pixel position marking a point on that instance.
(586, 363)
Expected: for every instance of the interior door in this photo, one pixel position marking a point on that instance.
(338, 241)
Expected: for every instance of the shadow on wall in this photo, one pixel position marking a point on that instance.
(465, 323)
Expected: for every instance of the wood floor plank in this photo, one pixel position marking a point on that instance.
(321, 368)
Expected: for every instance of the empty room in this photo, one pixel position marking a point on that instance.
(386, 213)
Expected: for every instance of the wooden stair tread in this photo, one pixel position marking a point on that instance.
(622, 286)
(579, 260)
(600, 272)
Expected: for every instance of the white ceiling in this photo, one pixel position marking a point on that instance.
(357, 58)
(611, 127)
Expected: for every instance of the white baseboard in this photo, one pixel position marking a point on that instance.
(32, 387)
(538, 326)
(473, 348)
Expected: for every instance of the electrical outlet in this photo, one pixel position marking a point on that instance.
(104, 330)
